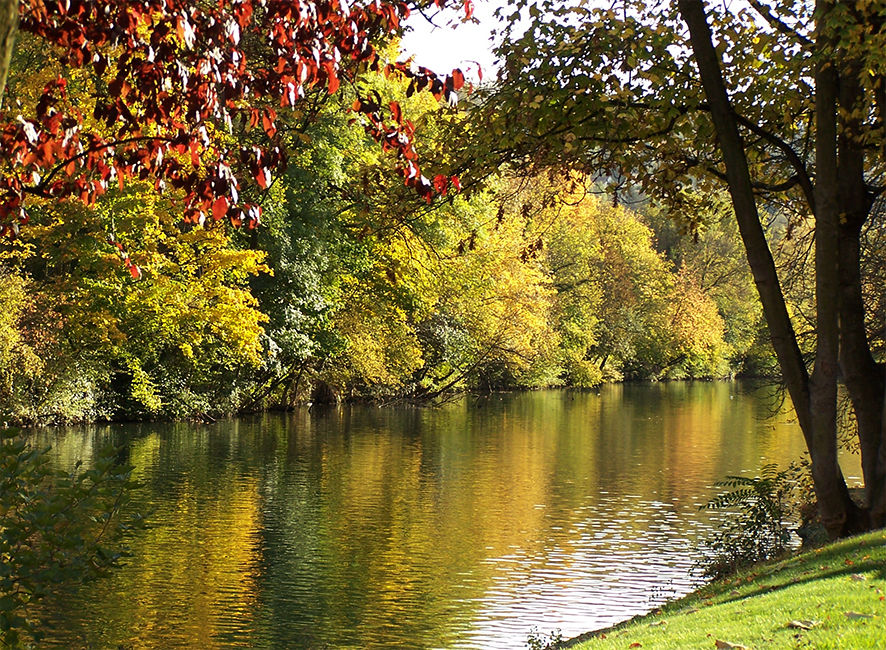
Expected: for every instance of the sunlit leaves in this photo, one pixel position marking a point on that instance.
(167, 75)
(623, 309)
(146, 348)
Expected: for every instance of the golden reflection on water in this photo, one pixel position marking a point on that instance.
(467, 525)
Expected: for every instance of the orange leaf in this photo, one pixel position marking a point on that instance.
(458, 79)
(219, 208)
(396, 112)
(267, 123)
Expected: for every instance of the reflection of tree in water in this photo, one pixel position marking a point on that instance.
(425, 527)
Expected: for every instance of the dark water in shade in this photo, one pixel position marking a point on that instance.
(465, 526)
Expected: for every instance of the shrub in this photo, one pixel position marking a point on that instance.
(759, 528)
(56, 528)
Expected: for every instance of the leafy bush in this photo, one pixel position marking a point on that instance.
(56, 528)
(759, 528)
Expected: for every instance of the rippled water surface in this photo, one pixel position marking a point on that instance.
(465, 526)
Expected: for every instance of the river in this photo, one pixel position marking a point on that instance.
(470, 525)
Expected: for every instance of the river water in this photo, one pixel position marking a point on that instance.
(471, 525)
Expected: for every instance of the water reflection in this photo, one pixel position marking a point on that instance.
(463, 526)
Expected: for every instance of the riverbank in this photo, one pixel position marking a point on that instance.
(831, 597)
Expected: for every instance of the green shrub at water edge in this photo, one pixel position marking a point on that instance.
(758, 528)
(56, 528)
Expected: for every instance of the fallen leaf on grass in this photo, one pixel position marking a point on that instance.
(636, 644)
(803, 625)
(735, 592)
(858, 577)
(725, 645)
(657, 623)
(854, 615)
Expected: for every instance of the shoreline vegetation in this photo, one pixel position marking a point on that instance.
(528, 283)
(322, 397)
(827, 597)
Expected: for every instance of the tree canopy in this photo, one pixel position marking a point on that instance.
(164, 77)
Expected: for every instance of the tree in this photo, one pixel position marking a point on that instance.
(713, 256)
(779, 102)
(624, 311)
(168, 76)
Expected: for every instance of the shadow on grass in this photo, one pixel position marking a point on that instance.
(812, 567)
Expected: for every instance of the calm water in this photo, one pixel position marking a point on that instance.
(466, 526)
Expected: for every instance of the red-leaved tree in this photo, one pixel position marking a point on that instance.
(169, 75)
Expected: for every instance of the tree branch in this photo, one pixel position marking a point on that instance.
(777, 24)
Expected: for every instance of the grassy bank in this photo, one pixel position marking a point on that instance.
(833, 597)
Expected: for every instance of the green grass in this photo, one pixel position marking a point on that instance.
(755, 608)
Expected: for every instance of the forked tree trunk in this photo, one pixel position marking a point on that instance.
(816, 410)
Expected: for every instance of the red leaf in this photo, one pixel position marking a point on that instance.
(268, 125)
(135, 272)
(219, 208)
(469, 9)
(396, 112)
(456, 183)
(333, 81)
(458, 79)
(263, 178)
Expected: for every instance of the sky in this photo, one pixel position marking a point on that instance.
(443, 48)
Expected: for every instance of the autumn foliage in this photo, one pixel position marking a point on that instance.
(169, 74)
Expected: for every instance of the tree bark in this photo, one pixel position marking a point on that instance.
(816, 411)
(862, 375)
(823, 387)
(8, 30)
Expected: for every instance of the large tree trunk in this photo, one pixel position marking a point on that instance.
(8, 29)
(862, 375)
(823, 386)
(816, 412)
